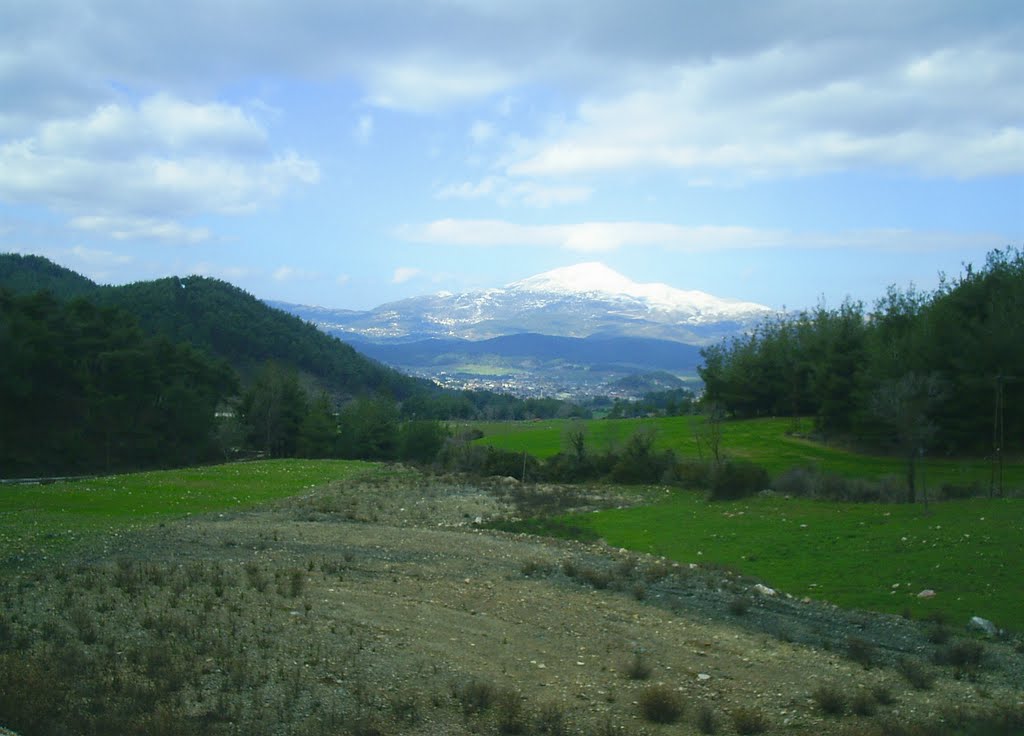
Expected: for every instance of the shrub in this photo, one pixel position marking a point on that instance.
(739, 606)
(737, 479)
(830, 700)
(660, 704)
(882, 694)
(638, 668)
(596, 577)
(749, 721)
(706, 721)
(860, 651)
(693, 474)
(476, 696)
(863, 703)
(511, 717)
(916, 673)
(638, 462)
(534, 567)
(965, 656)
(810, 483)
(551, 720)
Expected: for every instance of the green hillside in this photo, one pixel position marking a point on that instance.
(223, 322)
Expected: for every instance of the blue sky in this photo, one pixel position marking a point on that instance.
(352, 153)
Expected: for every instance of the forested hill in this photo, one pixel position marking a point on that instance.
(222, 321)
(227, 322)
(24, 275)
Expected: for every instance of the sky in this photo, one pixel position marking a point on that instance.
(348, 154)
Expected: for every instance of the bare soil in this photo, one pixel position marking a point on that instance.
(380, 606)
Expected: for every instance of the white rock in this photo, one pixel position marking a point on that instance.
(764, 589)
(983, 624)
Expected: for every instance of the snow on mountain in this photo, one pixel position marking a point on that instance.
(597, 280)
(577, 301)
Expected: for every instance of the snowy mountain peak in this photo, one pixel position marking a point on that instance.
(597, 279)
(583, 278)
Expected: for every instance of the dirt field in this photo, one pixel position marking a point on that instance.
(379, 607)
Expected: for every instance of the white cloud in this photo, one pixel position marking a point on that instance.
(288, 273)
(403, 274)
(598, 237)
(585, 237)
(343, 279)
(140, 228)
(430, 84)
(158, 123)
(363, 130)
(470, 190)
(481, 131)
(788, 111)
(161, 160)
(97, 257)
(507, 192)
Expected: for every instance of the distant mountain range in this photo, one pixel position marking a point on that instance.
(586, 300)
(571, 330)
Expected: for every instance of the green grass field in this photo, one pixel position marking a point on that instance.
(870, 556)
(38, 519)
(768, 442)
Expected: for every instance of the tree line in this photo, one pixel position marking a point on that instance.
(939, 373)
(82, 389)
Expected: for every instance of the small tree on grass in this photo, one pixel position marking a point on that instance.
(903, 405)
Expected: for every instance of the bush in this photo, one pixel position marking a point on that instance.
(706, 722)
(830, 700)
(860, 651)
(476, 696)
(511, 717)
(737, 479)
(863, 704)
(660, 704)
(749, 721)
(739, 606)
(811, 483)
(882, 694)
(638, 668)
(916, 673)
(551, 720)
(965, 656)
(638, 462)
(693, 474)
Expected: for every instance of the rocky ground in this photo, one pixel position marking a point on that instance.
(381, 606)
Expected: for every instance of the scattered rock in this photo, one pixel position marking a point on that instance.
(983, 625)
(926, 594)
(764, 589)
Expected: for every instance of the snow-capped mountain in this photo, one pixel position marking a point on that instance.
(588, 299)
(597, 281)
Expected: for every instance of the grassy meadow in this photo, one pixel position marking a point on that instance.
(871, 556)
(38, 519)
(772, 443)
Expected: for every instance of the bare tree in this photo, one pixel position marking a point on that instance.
(709, 433)
(903, 405)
